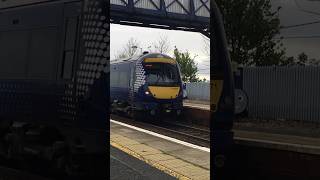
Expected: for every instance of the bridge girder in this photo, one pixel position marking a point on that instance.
(186, 15)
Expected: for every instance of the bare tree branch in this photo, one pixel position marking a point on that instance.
(129, 49)
(162, 45)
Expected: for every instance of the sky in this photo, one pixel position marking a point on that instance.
(185, 41)
(304, 38)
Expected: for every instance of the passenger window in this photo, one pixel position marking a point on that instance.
(12, 64)
(71, 32)
(124, 79)
(114, 78)
(42, 51)
(69, 47)
(68, 63)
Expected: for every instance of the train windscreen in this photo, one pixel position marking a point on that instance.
(162, 74)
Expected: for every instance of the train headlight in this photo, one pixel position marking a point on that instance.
(147, 92)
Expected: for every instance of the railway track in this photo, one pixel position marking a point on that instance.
(184, 132)
(188, 130)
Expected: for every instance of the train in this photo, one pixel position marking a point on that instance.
(146, 85)
(222, 100)
(54, 76)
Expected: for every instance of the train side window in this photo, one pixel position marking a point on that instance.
(69, 47)
(42, 50)
(13, 53)
(68, 63)
(71, 32)
(124, 79)
(114, 77)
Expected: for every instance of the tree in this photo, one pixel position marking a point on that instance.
(301, 60)
(203, 80)
(129, 49)
(162, 45)
(288, 61)
(251, 26)
(188, 67)
(314, 62)
(304, 60)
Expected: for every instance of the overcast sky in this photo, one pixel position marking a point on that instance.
(305, 38)
(184, 41)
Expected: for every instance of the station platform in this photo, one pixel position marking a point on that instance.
(124, 166)
(151, 154)
(299, 144)
(196, 112)
(262, 135)
(204, 105)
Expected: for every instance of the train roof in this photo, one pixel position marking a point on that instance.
(138, 57)
(130, 59)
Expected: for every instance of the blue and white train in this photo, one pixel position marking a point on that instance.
(149, 84)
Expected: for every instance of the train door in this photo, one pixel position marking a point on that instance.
(70, 24)
(69, 50)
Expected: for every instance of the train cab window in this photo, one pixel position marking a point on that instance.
(161, 74)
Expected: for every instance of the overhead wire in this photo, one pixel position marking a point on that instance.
(306, 11)
(299, 25)
(298, 37)
(302, 24)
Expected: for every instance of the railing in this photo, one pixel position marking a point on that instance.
(290, 93)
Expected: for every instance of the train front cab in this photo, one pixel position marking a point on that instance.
(161, 92)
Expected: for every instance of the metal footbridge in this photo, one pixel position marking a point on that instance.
(186, 15)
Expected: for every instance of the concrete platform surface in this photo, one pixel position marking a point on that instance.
(175, 159)
(124, 166)
(299, 144)
(196, 104)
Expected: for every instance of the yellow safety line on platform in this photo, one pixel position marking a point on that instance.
(150, 162)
